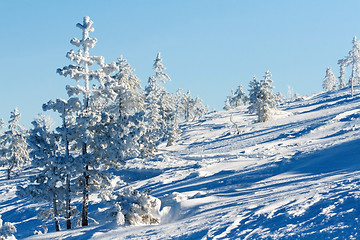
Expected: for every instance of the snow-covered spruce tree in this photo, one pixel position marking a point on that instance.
(161, 113)
(67, 170)
(330, 81)
(227, 106)
(14, 150)
(122, 116)
(192, 109)
(88, 131)
(263, 101)
(7, 230)
(48, 185)
(254, 104)
(239, 97)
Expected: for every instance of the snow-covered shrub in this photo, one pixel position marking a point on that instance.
(136, 208)
(6, 230)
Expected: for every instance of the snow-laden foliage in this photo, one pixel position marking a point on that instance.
(262, 99)
(239, 98)
(7, 230)
(161, 111)
(191, 109)
(55, 168)
(330, 81)
(132, 207)
(108, 126)
(86, 129)
(14, 152)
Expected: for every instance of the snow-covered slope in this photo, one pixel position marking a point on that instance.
(297, 176)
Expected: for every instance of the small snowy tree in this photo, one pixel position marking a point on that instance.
(262, 99)
(14, 150)
(191, 109)
(227, 106)
(7, 230)
(330, 82)
(239, 98)
(254, 87)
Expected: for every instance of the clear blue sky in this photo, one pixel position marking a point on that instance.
(207, 46)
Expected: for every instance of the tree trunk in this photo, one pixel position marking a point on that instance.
(68, 201)
(9, 173)
(85, 203)
(57, 225)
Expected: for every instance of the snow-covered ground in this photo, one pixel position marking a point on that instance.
(297, 176)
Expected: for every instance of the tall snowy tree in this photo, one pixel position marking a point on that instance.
(14, 150)
(87, 128)
(262, 99)
(330, 82)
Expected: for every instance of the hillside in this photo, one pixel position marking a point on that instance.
(296, 176)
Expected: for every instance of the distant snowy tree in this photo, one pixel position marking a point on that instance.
(161, 113)
(330, 82)
(254, 104)
(7, 230)
(14, 150)
(280, 98)
(192, 109)
(239, 98)
(352, 59)
(227, 106)
(262, 99)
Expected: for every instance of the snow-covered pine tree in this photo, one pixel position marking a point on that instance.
(87, 128)
(187, 103)
(14, 150)
(191, 109)
(239, 98)
(161, 110)
(330, 82)
(67, 111)
(227, 106)
(254, 104)
(262, 99)
(267, 98)
(48, 185)
(122, 117)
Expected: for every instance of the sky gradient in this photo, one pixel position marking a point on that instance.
(208, 47)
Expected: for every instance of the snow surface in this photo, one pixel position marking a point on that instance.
(295, 177)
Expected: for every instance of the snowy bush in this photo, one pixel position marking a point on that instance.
(136, 208)
(6, 230)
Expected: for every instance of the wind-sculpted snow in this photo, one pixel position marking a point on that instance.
(294, 177)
